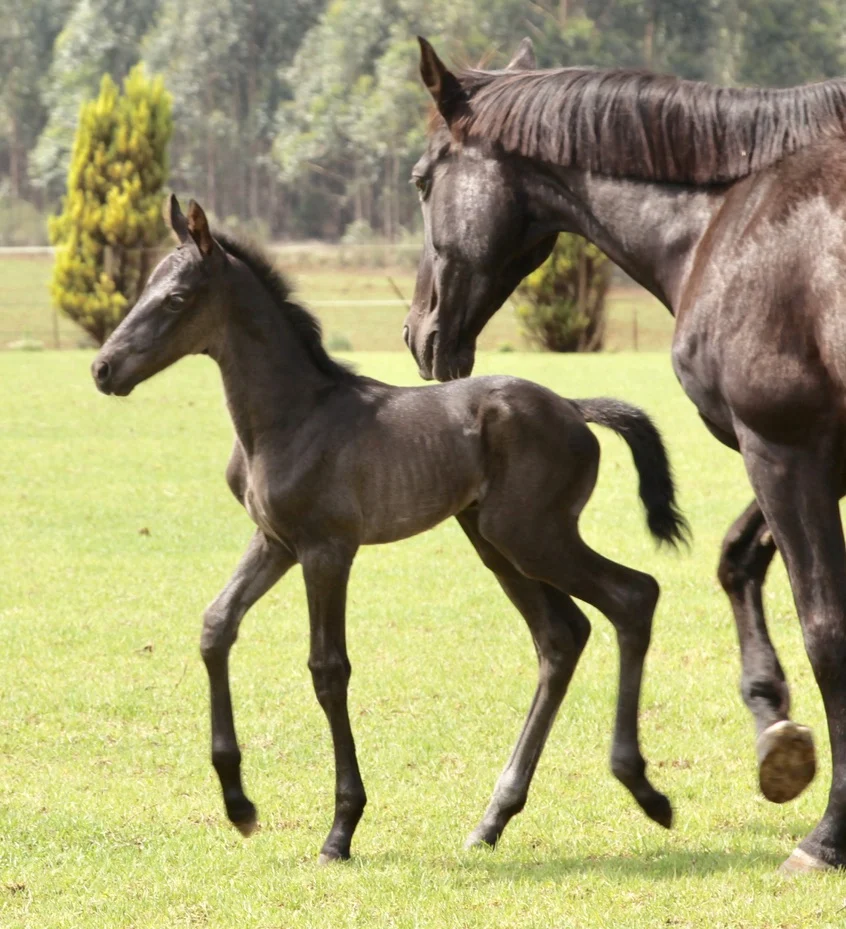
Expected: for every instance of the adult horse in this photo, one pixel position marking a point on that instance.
(729, 205)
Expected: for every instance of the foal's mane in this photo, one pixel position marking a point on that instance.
(646, 126)
(305, 326)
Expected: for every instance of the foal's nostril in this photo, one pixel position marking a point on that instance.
(102, 370)
(405, 336)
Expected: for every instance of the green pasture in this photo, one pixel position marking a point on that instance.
(118, 529)
(354, 306)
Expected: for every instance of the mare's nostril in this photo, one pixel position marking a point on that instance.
(405, 335)
(102, 370)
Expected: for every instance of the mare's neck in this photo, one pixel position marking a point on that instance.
(269, 378)
(650, 230)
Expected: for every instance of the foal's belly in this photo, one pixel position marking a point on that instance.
(417, 493)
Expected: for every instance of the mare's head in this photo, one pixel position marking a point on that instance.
(480, 240)
(178, 312)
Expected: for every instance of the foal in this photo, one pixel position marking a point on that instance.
(325, 461)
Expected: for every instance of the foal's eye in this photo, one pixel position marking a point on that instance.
(422, 184)
(175, 302)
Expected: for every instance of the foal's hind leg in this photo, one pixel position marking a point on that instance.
(263, 564)
(553, 552)
(786, 761)
(560, 631)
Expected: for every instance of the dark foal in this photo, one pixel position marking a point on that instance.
(326, 461)
(729, 205)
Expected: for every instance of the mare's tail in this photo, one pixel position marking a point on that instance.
(657, 492)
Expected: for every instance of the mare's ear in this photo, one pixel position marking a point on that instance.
(198, 228)
(175, 219)
(441, 83)
(524, 58)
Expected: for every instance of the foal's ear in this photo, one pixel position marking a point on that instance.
(441, 83)
(524, 58)
(175, 219)
(198, 228)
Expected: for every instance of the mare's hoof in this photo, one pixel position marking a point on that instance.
(800, 862)
(786, 760)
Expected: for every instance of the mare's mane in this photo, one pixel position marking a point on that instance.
(646, 126)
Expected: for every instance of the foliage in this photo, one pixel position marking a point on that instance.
(112, 212)
(561, 305)
(308, 114)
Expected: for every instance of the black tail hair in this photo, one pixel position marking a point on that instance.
(657, 491)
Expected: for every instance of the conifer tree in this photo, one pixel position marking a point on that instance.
(111, 219)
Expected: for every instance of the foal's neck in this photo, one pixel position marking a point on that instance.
(270, 380)
(651, 230)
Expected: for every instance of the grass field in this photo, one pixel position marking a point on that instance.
(357, 307)
(117, 531)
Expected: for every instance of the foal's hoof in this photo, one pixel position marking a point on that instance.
(243, 816)
(800, 862)
(247, 827)
(786, 761)
(327, 858)
(482, 838)
(659, 809)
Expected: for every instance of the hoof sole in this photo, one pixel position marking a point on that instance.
(800, 862)
(786, 760)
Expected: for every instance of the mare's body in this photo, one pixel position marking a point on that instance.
(326, 461)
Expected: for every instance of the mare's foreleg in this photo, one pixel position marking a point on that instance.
(262, 565)
(560, 632)
(786, 760)
(326, 572)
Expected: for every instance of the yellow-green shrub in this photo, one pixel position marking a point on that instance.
(111, 219)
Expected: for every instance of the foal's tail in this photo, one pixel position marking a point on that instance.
(657, 492)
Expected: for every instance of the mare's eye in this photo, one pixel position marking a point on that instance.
(422, 184)
(174, 303)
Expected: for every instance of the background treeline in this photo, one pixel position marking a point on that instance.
(302, 118)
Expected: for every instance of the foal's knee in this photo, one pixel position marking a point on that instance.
(330, 676)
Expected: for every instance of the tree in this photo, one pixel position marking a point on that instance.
(98, 37)
(561, 305)
(112, 218)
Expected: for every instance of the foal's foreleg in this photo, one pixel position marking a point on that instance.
(326, 573)
(786, 760)
(263, 564)
(560, 631)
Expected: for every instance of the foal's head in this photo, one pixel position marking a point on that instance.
(480, 240)
(178, 313)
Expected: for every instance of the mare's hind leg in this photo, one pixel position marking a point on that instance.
(786, 760)
(551, 551)
(262, 565)
(560, 631)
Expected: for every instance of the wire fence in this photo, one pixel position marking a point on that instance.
(359, 292)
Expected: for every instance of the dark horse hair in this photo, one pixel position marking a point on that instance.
(305, 326)
(645, 126)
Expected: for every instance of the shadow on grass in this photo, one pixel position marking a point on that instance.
(675, 864)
